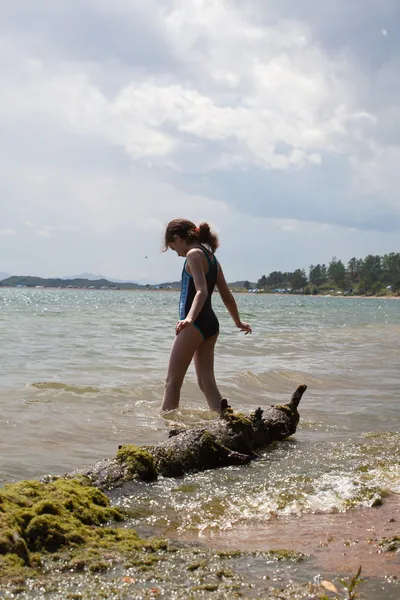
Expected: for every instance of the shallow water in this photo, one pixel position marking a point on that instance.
(82, 371)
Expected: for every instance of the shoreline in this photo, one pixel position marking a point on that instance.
(177, 290)
(296, 551)
(286, 558)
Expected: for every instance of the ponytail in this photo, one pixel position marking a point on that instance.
(190, 233)
(207, 237)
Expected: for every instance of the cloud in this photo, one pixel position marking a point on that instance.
(117, 118)
(8, 231)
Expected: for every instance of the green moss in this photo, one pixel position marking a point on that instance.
(285, 408)
(169, 464)
(64, 514)
(210, 448)
(206, 587)
(225, 573)
(38, 516)
(147, 560)
(229, 553)
(99, 566)
(285, 498)
(14, 569)
(390, 544)
(169, 576)
(112, 546)
(283, 554)
(195, 566)
(363, 468)
(372, 497)
(236, 420)
(138, 462)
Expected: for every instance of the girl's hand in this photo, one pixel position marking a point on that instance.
(182, 325)
(244, 327)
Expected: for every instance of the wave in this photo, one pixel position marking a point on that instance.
(290, 479)
(281, 381)
(57, 385)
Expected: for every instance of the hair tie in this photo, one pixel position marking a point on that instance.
(197, 230)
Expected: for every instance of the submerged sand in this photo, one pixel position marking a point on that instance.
(338, 542)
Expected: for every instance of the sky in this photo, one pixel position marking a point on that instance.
(277, 121)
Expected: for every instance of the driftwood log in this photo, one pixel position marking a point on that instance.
(233, 439)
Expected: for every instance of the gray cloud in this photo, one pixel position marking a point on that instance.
(352, 25)
(318, 193)
(125, 114)
(89, 31)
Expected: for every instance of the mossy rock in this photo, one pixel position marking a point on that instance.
(14, 569)
(46, 516)
(65, 514)
(137, 462)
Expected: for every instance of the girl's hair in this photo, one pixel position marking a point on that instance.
(188, 231)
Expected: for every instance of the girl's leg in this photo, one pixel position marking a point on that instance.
(183, 349)
(204, 363)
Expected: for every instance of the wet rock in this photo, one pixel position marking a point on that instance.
(233, 439)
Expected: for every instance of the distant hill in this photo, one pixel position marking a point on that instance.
(4, 276)
(64, 283)
(93, 277)
(100, 283)
(89, 276)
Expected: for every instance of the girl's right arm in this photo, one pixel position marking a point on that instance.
(230, 302)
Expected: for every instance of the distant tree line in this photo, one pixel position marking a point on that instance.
(372, 275)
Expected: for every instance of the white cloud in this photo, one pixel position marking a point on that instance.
(286, 87)
(8, 231)
(273, 84)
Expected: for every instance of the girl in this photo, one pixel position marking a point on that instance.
(198, 328)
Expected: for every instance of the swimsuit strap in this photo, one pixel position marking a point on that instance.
(208, 255)
(210, 263)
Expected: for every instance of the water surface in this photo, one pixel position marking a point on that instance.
(82, 372)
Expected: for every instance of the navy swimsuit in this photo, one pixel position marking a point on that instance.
(206, 322)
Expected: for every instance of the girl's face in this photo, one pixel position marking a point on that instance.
(179, 246)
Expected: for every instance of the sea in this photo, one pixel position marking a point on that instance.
(82, 371)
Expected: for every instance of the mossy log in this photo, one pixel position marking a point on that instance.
(233, 439)
(48, 516)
